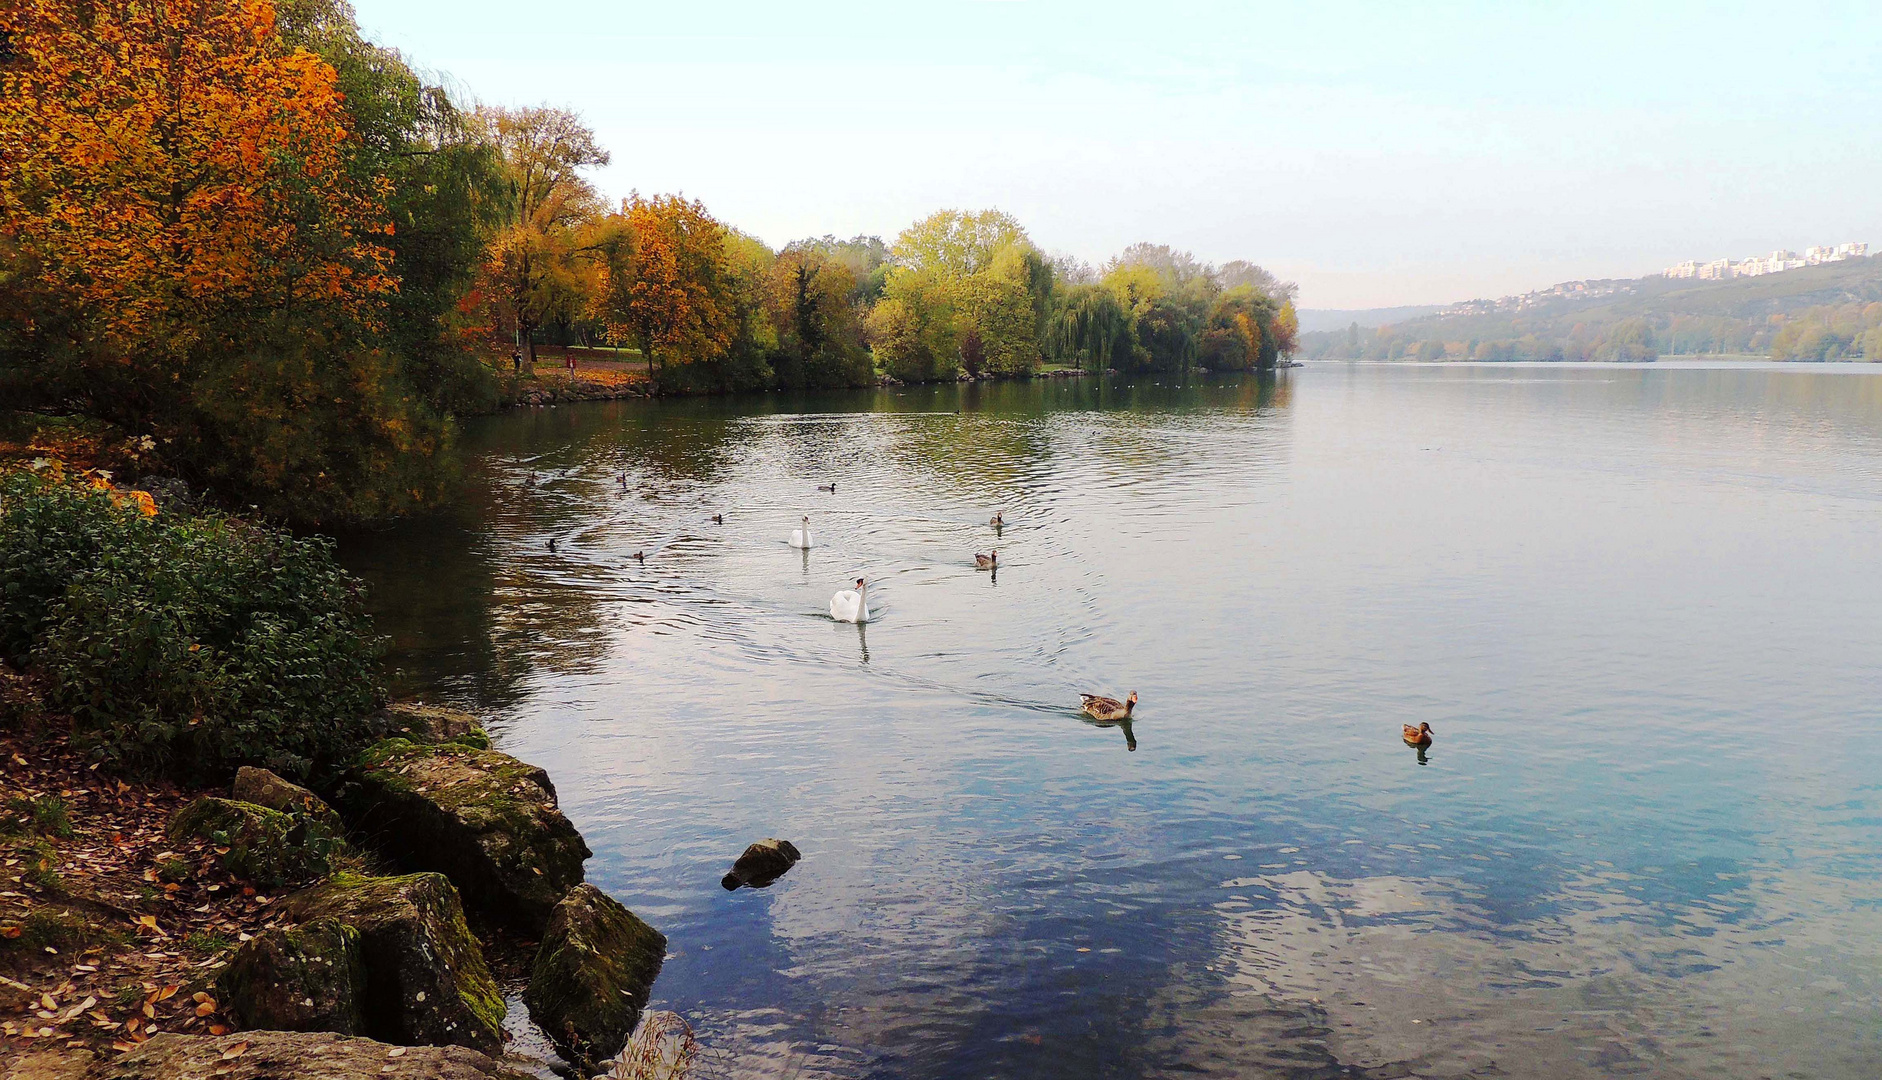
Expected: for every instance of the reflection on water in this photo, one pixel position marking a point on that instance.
(1638, 603)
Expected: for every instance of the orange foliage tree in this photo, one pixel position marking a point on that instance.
(184, 252)
(664, 280)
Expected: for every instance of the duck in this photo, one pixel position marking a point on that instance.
(851, 605)
(718, 519)
(1104, 708)
(829, 487)
(987, 561)
(641, 555)
(552, 543)
(800, 536)
(997, 520)
(1418, 736)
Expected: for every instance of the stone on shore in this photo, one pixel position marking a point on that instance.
(290, 1055)
(484, 819)
(761, 864)
(263, 788)
(418, 722)
(307, 978)
(426, 981)
(593, 972)
(264, 846)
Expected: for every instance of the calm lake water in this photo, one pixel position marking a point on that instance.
(1641, 606)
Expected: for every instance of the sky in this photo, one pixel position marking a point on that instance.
(1377, 153)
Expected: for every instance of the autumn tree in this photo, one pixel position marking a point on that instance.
(664, 279)
(188, 253)
(963, 280)
(819, 329)
(532, 269)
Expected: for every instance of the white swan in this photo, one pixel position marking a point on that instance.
(851, 605)
(800, 536)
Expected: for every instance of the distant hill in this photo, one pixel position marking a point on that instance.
(1313, 319)
(1832, 311)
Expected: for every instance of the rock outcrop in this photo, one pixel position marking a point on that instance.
(415, 721)
(593, 972)
(260, 845)
(287, 1055)
(484, 819)
(263, 788)
(425, 977)
(761, 864)
(308, 978)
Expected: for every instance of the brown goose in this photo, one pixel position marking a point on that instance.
(1104, 708)
(986, 562)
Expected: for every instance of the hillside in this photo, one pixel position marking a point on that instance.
(1833, 311)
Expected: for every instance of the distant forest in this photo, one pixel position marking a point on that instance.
(1828, 312)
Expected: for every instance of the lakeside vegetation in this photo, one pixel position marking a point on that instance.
(268, 255)
(1829, 312)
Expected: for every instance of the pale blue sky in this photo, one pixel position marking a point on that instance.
(1379, 153)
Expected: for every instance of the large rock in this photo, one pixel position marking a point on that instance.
(260, 845)
(592, 976)
(426, 982)
(761, 864)
(288, 1055)
(308, 978)
(263, 788)
(417, 722)
(485, 820)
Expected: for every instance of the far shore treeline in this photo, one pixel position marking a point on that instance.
(278, 261)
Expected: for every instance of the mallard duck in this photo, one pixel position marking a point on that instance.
(1418, 736)
(1104, 708)
(851, 606)
(986, 562)
(997, 520)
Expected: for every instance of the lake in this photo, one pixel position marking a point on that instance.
(1640, 606)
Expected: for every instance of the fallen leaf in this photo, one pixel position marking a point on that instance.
(218, 1029)
(235, 1051)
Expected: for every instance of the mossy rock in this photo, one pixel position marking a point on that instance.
(593, 972)
(263, 788)
(426, 981)
(307, 978)
(281, 1055)
(261, 845)
(417, 722)
(484, 819)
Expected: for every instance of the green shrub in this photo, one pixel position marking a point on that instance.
(186, 645)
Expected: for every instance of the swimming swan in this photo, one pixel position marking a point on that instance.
(800, 537)
(851, 605)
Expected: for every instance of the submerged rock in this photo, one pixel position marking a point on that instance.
(484, 819)
(426, 981)
(263, 788)
(261, 845)
(308, 978)
(763, 863)
(289, 1055)
(592, 976)
(418, 722)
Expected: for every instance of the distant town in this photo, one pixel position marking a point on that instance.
(1775, 263)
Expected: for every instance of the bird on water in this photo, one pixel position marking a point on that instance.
(986, 562)
(1105, 708)
(851, 605)
(1417, 736)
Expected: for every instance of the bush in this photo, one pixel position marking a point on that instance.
(186, 646)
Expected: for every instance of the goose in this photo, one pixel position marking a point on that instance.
(641, 555)
(718, 519)
(997, 520)
(851, 605)
(1418, 736)
(1104, 708)
(800, 536)
(829, 487)
(986, 562)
